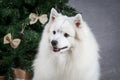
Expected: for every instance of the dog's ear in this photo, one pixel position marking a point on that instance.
(78, 20)
(53, 14)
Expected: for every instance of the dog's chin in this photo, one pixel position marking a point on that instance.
(63, 49)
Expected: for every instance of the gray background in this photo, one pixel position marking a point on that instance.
(103, 16)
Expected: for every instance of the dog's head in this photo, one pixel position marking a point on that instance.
(62, 31)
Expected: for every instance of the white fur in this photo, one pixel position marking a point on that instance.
(80, 61)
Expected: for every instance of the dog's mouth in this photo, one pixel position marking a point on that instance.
(56, 49)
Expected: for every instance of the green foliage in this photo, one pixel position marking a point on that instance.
(13, 15)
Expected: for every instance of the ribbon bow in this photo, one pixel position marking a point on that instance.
(13, 42)
(34, 18)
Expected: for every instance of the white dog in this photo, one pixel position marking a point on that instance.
(67, 51)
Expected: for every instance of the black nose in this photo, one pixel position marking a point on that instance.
(54, 42)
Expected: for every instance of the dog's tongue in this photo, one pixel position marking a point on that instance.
(55, 49)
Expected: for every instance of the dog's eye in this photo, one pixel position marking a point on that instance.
(54, 32)
(66, 35)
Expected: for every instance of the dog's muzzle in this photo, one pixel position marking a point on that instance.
(55, 48)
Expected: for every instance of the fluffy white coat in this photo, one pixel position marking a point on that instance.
(79, 62)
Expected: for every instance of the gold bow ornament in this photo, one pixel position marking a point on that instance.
(13, 42)
(35, 17)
